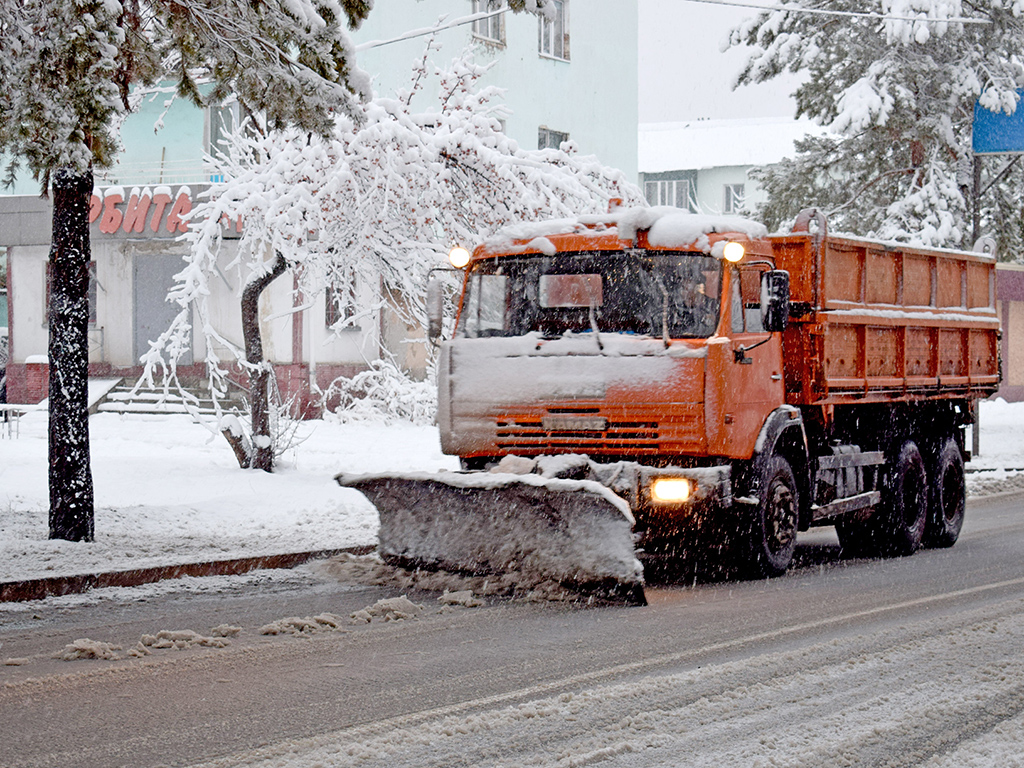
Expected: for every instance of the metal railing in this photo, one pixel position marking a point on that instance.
(142, 174)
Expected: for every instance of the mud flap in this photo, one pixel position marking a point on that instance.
(575, 532)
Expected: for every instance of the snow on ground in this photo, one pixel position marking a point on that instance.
(169, 492)
(999, 466)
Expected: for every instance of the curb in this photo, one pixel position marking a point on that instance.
(37, 589)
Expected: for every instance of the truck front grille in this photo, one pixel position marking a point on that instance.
(576, 432)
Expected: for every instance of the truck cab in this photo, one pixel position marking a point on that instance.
(621, 349)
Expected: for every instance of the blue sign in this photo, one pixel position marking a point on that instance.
(997, 132)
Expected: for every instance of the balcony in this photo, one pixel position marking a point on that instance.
(150, 174)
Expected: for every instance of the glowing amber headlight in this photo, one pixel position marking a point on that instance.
(458, 256)
(670, 489)
(733, 251)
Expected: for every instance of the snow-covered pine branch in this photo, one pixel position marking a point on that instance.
(897, 94)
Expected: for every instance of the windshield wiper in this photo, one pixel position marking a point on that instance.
(664, 309)
(593, 324)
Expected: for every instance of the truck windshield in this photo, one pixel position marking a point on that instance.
(636, 292)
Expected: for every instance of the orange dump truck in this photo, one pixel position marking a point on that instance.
(730, 386)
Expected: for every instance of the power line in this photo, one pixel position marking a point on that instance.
(855, 14)
(414, 33)
(463, 20)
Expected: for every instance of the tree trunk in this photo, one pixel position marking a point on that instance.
(259, 377)
(71, 489)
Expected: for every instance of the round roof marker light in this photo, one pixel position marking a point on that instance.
(733, 251)
(458, 256)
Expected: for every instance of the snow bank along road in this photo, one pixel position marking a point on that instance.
(913, 661)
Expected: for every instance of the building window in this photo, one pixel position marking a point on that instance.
(93, 285)
(673, 192)
(224, 119)
(554, 32)
(548, 139)
(734, 198)
(341, 306)
(492, 28)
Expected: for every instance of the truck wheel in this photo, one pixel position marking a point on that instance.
(898, 523)
(904, 503)
(771, 540)
(468, 463)
(948, 497)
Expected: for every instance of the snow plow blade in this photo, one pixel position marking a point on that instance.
(574, 532)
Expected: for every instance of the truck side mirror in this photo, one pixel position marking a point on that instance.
(775, 300)
(435, 307)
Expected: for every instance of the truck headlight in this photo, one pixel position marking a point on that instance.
(671, 489)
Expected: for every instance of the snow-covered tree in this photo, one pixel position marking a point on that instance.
(67, 72)
(383, 198)
(897, 88)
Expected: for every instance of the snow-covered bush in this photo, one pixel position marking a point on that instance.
(381, 393)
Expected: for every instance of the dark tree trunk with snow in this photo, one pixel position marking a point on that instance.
(71, 489)
(259, 376)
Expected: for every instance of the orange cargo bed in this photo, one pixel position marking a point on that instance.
(875, 321)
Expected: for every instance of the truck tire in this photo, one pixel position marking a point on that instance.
(906, 508)
(771, 535)
(949, 494)
(897, 527)
(471, 463)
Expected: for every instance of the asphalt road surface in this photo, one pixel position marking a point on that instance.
(910, 661)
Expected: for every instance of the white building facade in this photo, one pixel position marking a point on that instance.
(703, 165)
(573, 77)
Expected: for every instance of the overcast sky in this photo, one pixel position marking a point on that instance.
(683, 73)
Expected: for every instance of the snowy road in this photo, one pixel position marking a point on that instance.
(915, 661)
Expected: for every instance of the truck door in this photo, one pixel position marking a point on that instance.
(744, 372)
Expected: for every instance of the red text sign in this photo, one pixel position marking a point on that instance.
(155, 212)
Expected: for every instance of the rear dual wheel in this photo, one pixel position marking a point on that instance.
(948, 497)
(898, 525)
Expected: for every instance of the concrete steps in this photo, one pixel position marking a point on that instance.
(194, 401)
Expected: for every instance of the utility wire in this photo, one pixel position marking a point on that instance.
(462, 20)
(413, 33)
(825, 12)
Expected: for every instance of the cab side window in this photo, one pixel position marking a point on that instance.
(746, 301)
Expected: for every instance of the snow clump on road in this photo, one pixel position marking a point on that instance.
(84, 648)
(390, 609)
(181, 639)
(165, 639)
(311, 625)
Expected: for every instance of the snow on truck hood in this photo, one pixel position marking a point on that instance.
(667, 227)
(585, 343)
(499, 371)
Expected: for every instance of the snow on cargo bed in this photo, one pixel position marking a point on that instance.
(573, 532)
